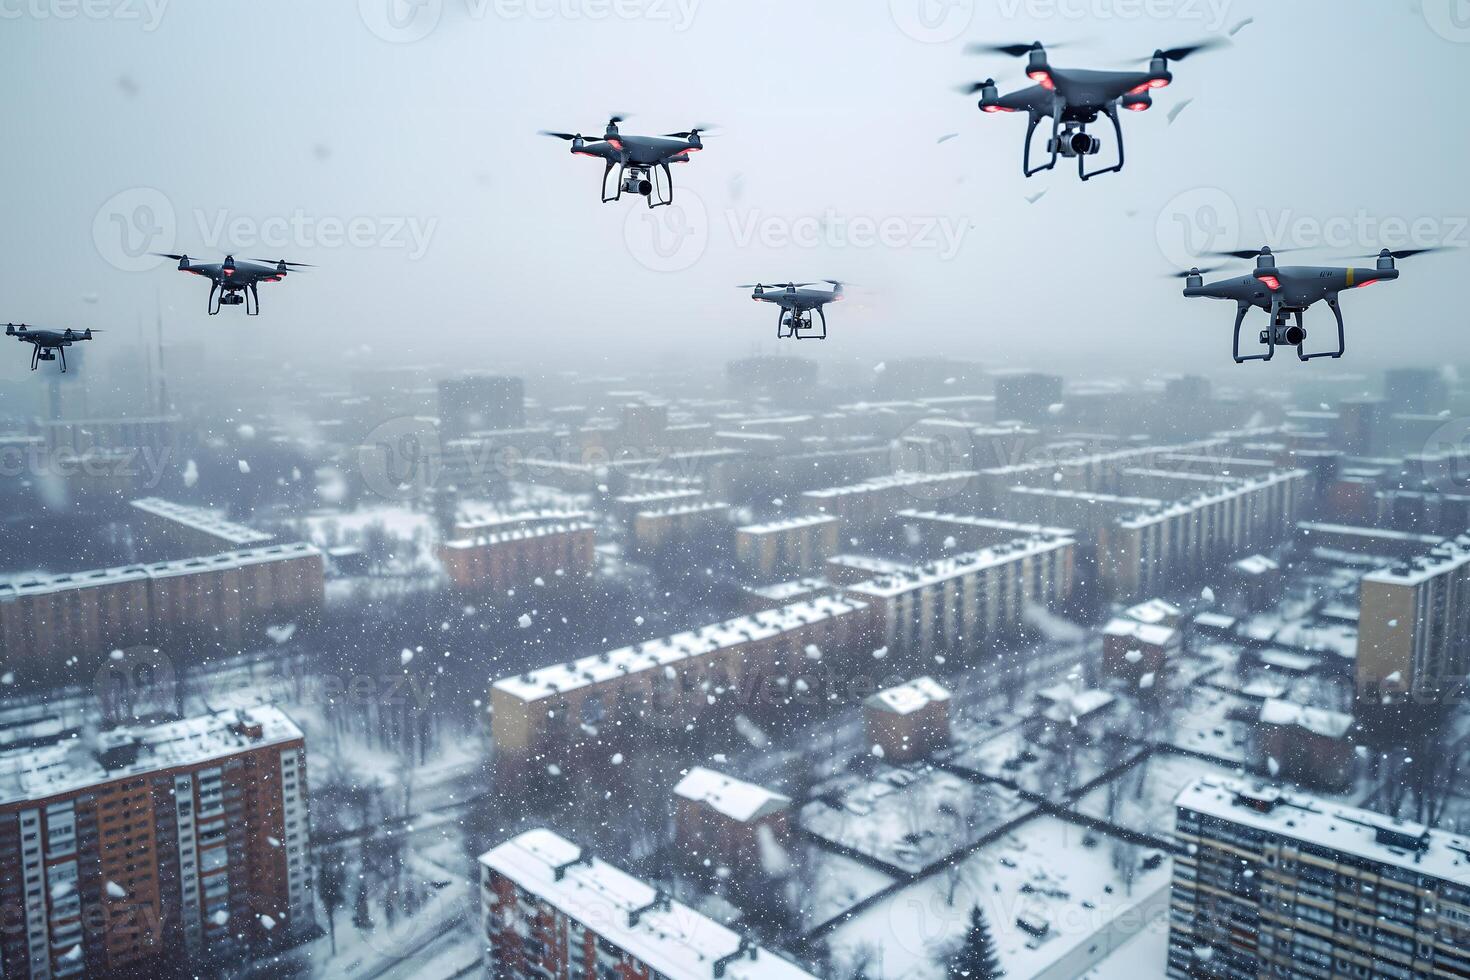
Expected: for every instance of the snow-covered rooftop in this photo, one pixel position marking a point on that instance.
(732, 797)
(893, 481)
(905, 699)
(1315, 822)
(671, 938)
(1155, 611)
(943, 569)
(1318, 721)
(483, 540)
(36, 774)
(789, 524)
(1257, 565)
(1147, 633)
(596, 669)
(198, 519)
(29, 586)
(1448, 557)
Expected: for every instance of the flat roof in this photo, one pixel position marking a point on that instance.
(943, 569)
(1317, 823)
(74, 764)
(624, 661)
(789, 524)
(204, 521)
(672, 939)
(732, 797)
(905, 699)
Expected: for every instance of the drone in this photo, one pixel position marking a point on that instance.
(1073, 98)
(797, 304)
(642, 161)
(236, 283)
(46, 345)
(1285, 292)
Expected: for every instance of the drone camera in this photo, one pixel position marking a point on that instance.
(1285, 336)
(1074, 144)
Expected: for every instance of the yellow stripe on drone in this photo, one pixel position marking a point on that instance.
(1352, 274)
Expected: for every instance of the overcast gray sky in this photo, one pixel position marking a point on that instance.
(409, 169)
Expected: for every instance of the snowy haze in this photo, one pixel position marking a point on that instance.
(291, 129)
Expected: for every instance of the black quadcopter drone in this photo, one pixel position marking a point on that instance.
(642, 161)
(1286, 292)
(1073, 99)
(46, 345)
(236, 283)
(797, 304)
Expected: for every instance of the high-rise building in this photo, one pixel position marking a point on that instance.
(186, 840)
(1026, 396)
(1414, 625)
(507, 558)
(792, 545)
(1278, 885)
(1419, 391)
(481, 403)
(550, 909)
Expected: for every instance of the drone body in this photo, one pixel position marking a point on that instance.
(46, 345)
(642, 162)
(1286, 293)
(796, 304)
(234, 283)
(1073, 99)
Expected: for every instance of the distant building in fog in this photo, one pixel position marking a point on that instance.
(1026, 396)
(480, 403)
(1414, 625)
(1418, 391)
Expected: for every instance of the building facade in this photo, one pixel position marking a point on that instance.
(1414, 625)
(518, 557)
(793, 546)
(153, 843)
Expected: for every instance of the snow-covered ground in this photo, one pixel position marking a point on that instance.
(1083, 906)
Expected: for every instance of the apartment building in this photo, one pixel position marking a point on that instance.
(795, 545)
(961, 602)
(178, 530)
(181, 840)
(45, 621)
(881, 498)
(1272, 884)
(500, 560)
(550, 909)
(1414, 625)
(563, 714)
(656, 529)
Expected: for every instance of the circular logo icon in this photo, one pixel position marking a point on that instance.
(937, 447)
(401, 21)
(668, 239)
(134, 684)
(1450, 19)
(133, 224)
(401, 458)
(1195, 223)
(1450, 443)
(932, 21)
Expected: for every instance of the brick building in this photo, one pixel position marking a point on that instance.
(909, 721)
(502, 560)
(723, 819)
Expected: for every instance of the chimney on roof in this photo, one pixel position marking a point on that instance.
(746, 948)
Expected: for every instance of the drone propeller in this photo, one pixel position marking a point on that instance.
(283, 262)
(838, 282)
(1249, 253)
(974, 88)
(692, 130)
(1210, 270)
(570, 136)
(1180, 53)
(1404, 253)
(1014, 50)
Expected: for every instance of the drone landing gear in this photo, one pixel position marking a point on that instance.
(799, 325)
(1031, 124)
(655, 183)
(1268, 337)
(247, 296)
(1341, 334)
(35, 357)
(1082, 171)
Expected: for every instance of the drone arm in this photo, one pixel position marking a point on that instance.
(1112, 111)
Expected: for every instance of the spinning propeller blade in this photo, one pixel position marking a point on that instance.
(1406, 253)
(1249, 253)
(974, 88)
(1014, 50)
(279, 262)
(1210, 270)
(571, 136)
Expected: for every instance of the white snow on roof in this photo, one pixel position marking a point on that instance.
(1154, 611)
(596, 669)
(676, 941)
(734, 798)
(1257, 565)
(905, 699)
(34, 774)
(479, 539)
(944, 569)
(789, 524)
(198, 519)
(1318, 721)
(1157, 636)
(1312, 821)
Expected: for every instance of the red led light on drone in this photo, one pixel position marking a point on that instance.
(1272, 283)
(996, 108)
(1137, 106)
(1140, 89)
(1043, 79)
(1368, 283)
(1158, 83)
